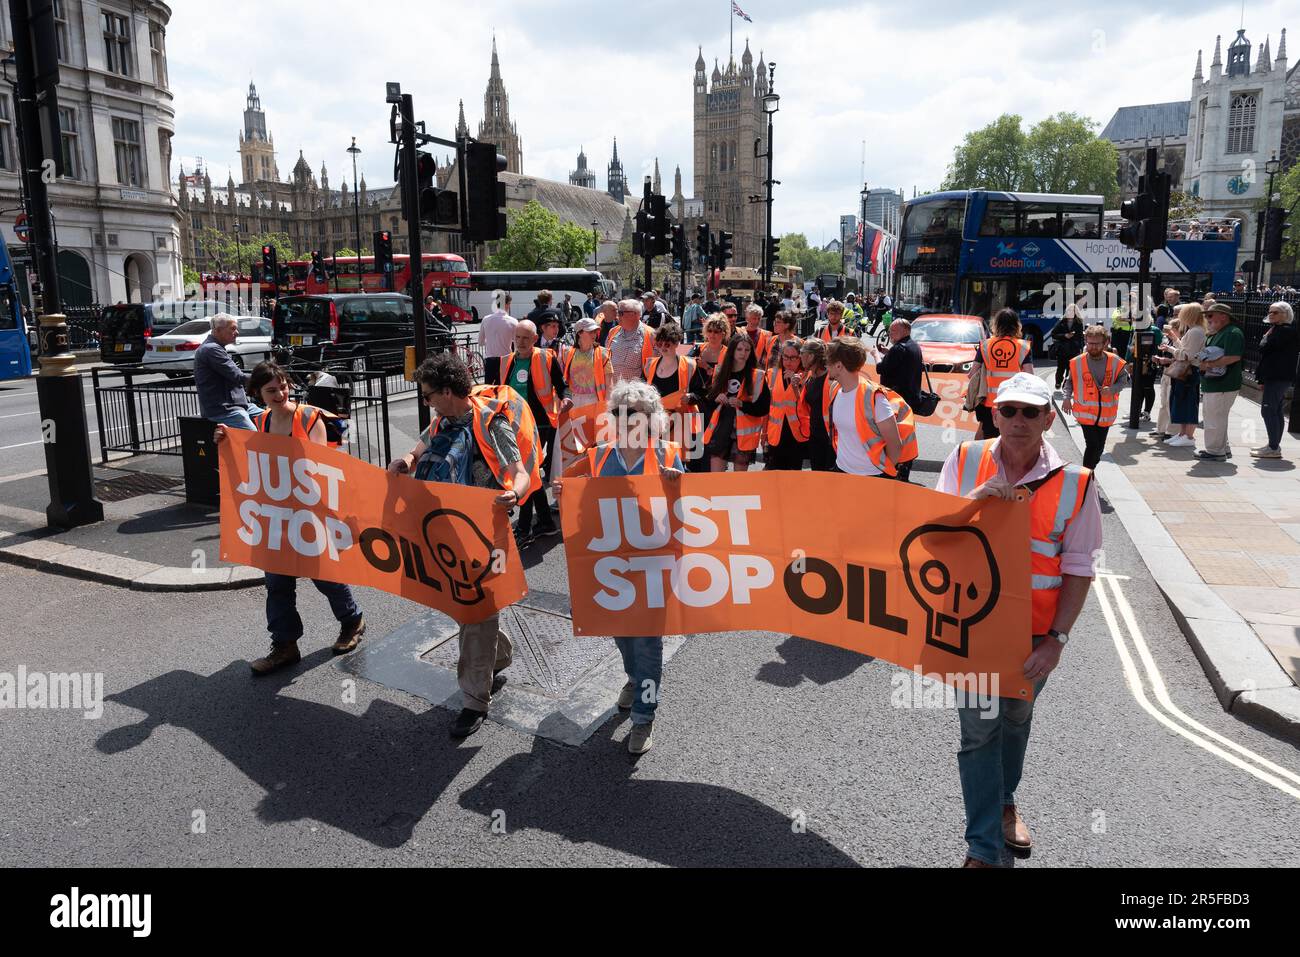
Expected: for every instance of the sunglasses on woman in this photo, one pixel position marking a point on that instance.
(1009, 411)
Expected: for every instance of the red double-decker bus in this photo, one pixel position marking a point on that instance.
(446, 278)
(222, 286)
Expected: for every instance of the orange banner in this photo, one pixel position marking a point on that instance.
(906, 574)
(951, 387)
(300, 509)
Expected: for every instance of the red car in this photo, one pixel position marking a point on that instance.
(948, 342)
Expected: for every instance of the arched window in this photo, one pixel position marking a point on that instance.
(1241, 123)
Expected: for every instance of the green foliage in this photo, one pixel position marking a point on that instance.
(1183, 205)
(813, 261)
(189, 276)
(537, 238)
(1289, 186)
(235, 253)
(990, 158)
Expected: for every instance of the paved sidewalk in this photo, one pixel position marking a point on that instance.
(1222, 540)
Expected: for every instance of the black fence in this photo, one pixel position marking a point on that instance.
(1251, 312)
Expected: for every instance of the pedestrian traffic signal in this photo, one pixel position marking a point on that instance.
(269, 268)
(383, 247)
(702, 243)
(722, 251)
(484, 219)
(1276, 229)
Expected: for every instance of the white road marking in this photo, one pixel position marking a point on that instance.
(1134, 679)
(14, 415)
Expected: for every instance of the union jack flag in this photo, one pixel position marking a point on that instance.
(735, 9)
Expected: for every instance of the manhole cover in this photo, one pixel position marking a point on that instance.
(549, 659)
(133, 484)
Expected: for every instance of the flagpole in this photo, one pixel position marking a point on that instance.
(731, 40)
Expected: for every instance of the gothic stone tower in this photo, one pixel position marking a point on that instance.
(256, 147)
(615, 179)
(496, 127)
(728, 120)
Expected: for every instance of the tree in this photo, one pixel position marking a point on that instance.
(990, 158)
(1183, 205)
(1062, 154)
(225, 254)
(813, 261)
(537, 238)
(1289, 186)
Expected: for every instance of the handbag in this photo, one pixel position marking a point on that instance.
(976, 389)
(926, 401)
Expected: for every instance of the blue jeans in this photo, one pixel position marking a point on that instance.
(1270, 406)
(282, 619)
(239, 418)
(990, 763)
(643, 660)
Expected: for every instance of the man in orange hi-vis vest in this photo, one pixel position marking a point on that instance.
(1065, 537)
(1092, 388)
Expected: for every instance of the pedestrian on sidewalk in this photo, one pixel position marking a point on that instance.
(1067, 340)
(223, 386)
(1065, 528)
(1172, 332)
(1092, 390)
(1222, 379)
(1183, 375)
(871, 426)
(1002, 355)
(496, 336)
(484, 437)
(639, 422)
(1151, 371)
(1278, 353)
(741, 404)
(284, 416)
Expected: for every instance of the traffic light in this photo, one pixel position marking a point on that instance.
(1147, 213)
(702, 243)
(269, 268)
(438, 207)
(317, 266)
(773, 250)
(1276, 228)
(1135, 211)
(659, 227)
(641, 234)
(681, 255)
(1157, 228)
(383, 247)
(722, 250)
(484, 220)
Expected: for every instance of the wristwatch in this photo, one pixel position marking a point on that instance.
(1061, 636)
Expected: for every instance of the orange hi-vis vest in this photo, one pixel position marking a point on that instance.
(1003, 356)
(785, 408)
(763, 348)
(600, 360)
(489, 401)
(869, 433)
(539, 376)
(1086, 404)
(596, 461)
(830, 389)
(674, 401)
(647, 340)
(748, 427)
(774, 351)
(304, 420)
(826, 335)
(1052, 507)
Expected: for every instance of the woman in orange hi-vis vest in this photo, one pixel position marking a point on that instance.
(671, 375)
(783, 328)
(742, 400)
(283, 416)
(588, 375)
(1092, 388)
(1002, 355)
(815, 397)
(787, 421)
(706, 356)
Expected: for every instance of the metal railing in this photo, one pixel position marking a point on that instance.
(1250, 311)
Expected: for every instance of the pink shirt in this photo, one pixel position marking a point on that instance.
(1082, 537)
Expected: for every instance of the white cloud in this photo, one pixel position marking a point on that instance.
(911, 79)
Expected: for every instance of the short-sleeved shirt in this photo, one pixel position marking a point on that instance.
(502, 439)
(626, 354)
(851, 454)
(1233, 343)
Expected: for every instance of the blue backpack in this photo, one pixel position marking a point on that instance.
(448, 457)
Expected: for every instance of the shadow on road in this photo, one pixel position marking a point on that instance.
(588, 795)
(814, 660)
(373, 774)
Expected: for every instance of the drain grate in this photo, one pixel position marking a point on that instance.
(548, 658)
(133, 484)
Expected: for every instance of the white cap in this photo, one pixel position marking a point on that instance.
(1024, 387)
(585, 324)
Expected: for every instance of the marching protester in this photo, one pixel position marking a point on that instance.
(1092, 388)
(222, 386)
(639, 421)
(1221, 381)
(732, 315)
(588, 375)
(1188, 334)
(607, 316)
(760, 337)
(671, 376)
(706, 355)
(741, 400)
(1278, 353)
(1065, 528)
(816, 394)
(787, 419)
(1067, 340)
(284, 416)
(871, 431)
(631, 342)
(1000, 357)
(782, 332)
(834, 327)
(535, 373)
(496, 336)
(479, 437)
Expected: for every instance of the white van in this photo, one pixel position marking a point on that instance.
(524, 288)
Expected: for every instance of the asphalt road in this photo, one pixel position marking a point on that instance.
(755, 731)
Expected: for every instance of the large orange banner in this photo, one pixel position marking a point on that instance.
(951, 389)
(888, 569)
(306, 510)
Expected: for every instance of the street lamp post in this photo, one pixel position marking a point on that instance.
(771, 103)
(859, 252)
(1271, 166)
(356, 200)
(595, 247)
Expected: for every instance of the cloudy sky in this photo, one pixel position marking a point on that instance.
(909, 79)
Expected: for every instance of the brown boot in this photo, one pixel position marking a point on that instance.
(974, 862)
(281, 655)
(349, 636)
(1014, 831)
